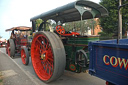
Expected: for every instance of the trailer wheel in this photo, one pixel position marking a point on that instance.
(10, 48)
(48, 56)
(25, 56)
(109, 83)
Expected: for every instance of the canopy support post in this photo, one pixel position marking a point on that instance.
(81, 25)
(33, 26)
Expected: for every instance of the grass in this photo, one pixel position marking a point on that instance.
(1, 78)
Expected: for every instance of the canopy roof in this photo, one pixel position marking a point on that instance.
(21, 28)
(73, 12)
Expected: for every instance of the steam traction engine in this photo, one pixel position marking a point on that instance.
(54, 51)
(18, 43)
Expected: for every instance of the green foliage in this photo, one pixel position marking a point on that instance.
(1, 80)
(125, 16)
(38, 22)
(109, 24)
(106, 36)
(30, 37)
(83, 26)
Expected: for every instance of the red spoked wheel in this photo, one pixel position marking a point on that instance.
(10, 48)
(48, 56)
(60, 30)
(25, 56)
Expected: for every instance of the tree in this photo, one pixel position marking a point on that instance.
(81, 26)
(125, 16)
(91, 23)
(109, 24)
(38, 22)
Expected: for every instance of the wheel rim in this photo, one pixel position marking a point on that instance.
(8, 48)
(42, 57)
(23, 56)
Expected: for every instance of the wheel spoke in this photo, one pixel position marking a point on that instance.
(44, 43)
(50, 59)
(49, 70)
(50, 67)
(46, 68)
(60, 29)
(37, 48)
(39, 67)
(40, 44)
(43, 40)
(38, 64)
(44, 63)
(41, 70)
(49, 63)
(36, 57)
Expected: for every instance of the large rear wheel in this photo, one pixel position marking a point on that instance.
(48, 56)
(10, 48)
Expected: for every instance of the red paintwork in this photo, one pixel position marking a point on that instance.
(8, 48)
(19, 38)
(23, 41)
(23, 56)
(3, 42)
(61, 31)
(42, 57)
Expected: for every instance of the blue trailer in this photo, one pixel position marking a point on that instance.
(109, 61)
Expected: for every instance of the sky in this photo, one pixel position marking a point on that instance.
(18, 12)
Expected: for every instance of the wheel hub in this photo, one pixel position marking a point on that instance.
(43, 56)
(23, 56)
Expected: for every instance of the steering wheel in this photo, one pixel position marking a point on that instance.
(60, 30)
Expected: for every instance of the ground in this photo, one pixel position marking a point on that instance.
(25, 75)
(1, 80)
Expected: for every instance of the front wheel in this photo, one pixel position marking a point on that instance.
(48, 56)
(25, 56)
